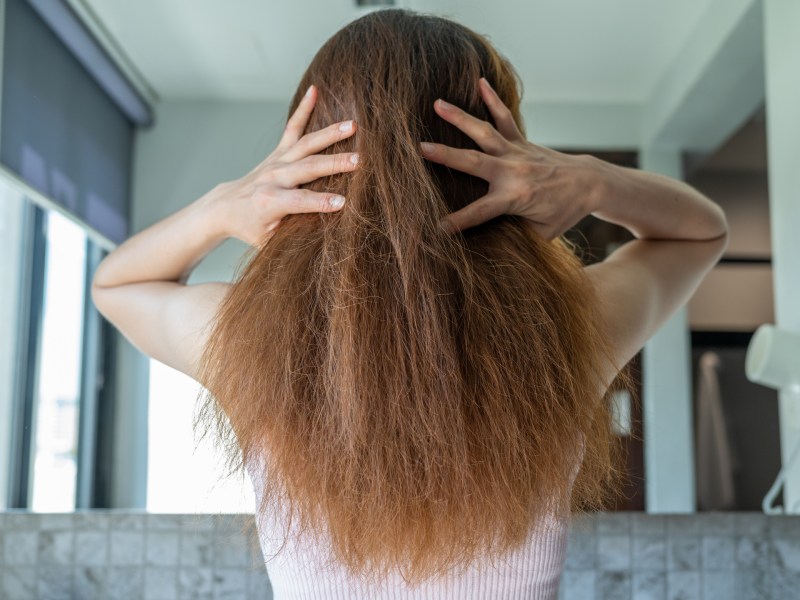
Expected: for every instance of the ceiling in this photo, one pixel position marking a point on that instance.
(565, 50)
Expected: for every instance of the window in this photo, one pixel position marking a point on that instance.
(58, 388)
(12, 227)
(183, 476)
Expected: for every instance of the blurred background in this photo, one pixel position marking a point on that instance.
(116, 114)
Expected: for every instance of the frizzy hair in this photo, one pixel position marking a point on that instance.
(420, 396)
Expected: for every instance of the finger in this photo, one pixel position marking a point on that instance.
(484, 134)
(316, 166)
(296, 124)
(307, 201)
(461, 159)
(500, 112)
(312, 143)
(481, 210)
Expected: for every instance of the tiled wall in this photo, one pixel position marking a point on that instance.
(110, 555)
(707, 556)
(616, 556)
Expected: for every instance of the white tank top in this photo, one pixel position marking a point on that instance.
(298, 571)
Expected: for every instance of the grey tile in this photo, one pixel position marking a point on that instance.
(683, 552)
(163, 522)
(750, 523)
(54, 582)
(160, 584)
(92, 520)
(126, 548)
(197, 549)
(19, 583)
(21, 547)
(786, 553)
(126, 521)
(718, 552)
(613, 522)
(90, 583)
(717, 585)
(56, 521)
(233, 522)
(197, 522)
(21, 521)
(751, 585)
(578, 585)
(682, 525)
(612, 584)
(785, 584)
(161, 549)
(613, 552)
(649, 552)
(232, 550)
(125, 583)
(683, 585)
(56, 547)
(752, 552)
(195, 582)
(258, 585)
(230, 584)
(784, 525)
(646, 524)
(649, 585)
(580, 552)
(91, 548)
(717, 523)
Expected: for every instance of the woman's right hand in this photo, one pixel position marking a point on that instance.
(551, 189)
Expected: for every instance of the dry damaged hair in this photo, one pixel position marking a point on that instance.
(418, 395)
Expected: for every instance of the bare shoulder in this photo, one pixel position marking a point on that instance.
(643, 283)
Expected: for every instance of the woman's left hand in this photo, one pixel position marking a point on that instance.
(251, 207)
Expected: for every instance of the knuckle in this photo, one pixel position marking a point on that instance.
(296, 198)
(485, 130)
(474, 158)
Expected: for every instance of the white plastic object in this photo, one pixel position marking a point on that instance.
(773, 358)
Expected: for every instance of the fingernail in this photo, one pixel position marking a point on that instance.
(337, 201)
(308, 91)
(346, 126)
(444, 105)
(427, 148)
(354, 159)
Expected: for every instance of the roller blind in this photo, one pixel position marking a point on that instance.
(60, 130)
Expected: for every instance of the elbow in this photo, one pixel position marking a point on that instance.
(99, 295)
(721, 225)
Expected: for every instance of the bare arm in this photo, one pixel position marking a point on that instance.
(141, 286)
(654, 206)
(681, 235)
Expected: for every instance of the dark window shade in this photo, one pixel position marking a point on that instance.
(60, 131)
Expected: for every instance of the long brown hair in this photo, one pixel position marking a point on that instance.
(421, 396)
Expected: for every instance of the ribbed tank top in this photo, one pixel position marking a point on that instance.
(297, 569)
